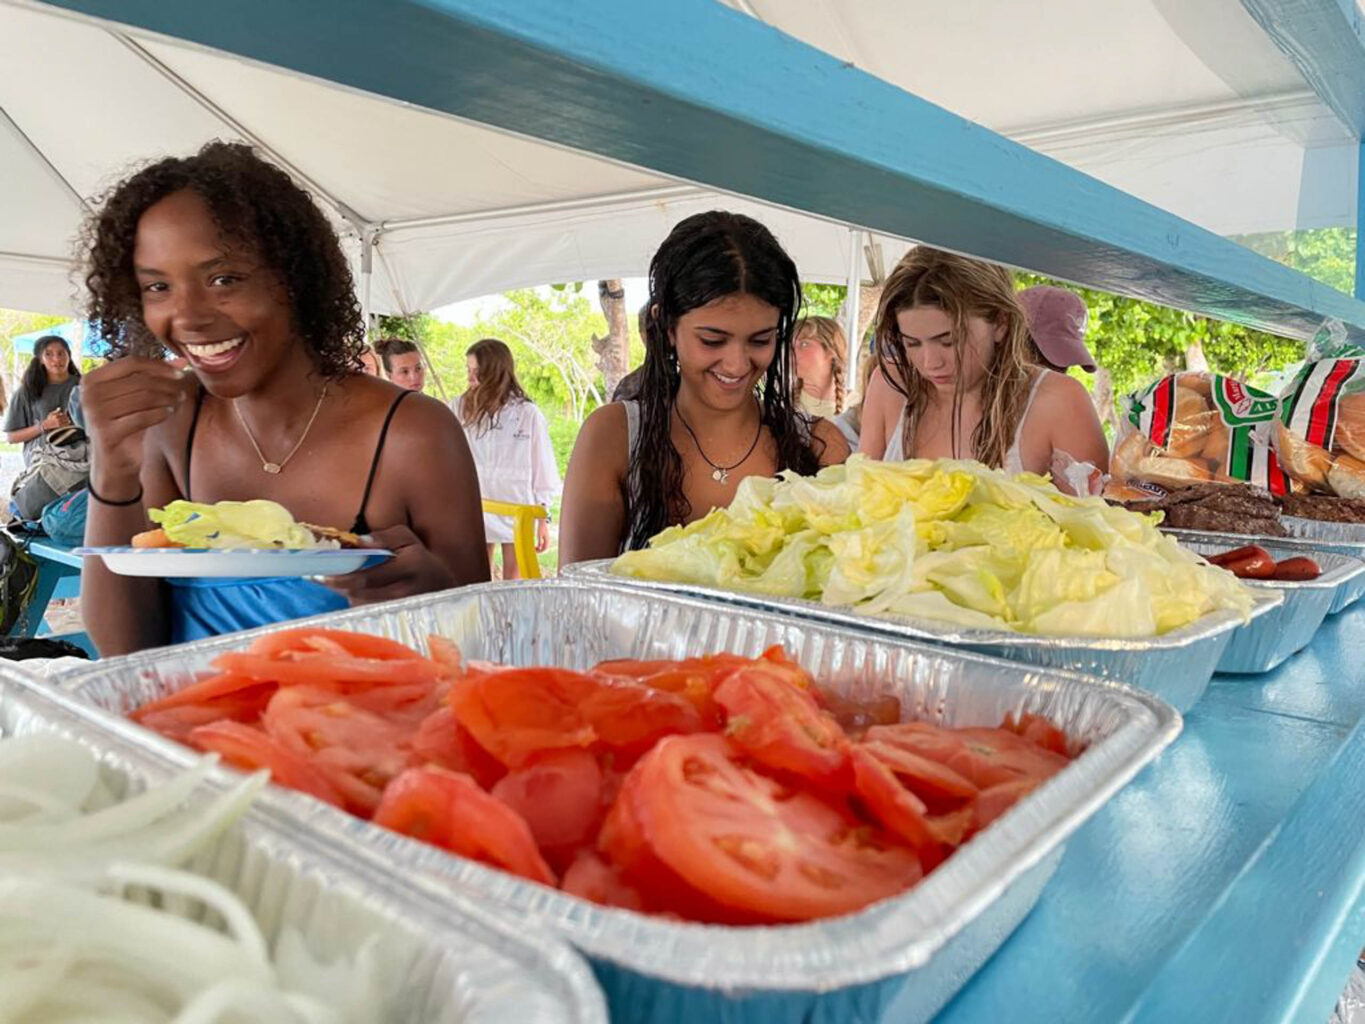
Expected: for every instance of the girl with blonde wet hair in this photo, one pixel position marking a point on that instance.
(958, 377)
(821, 360)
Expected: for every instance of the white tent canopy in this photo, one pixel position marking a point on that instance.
(1188, 106)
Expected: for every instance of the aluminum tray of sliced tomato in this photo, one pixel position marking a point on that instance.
(733, 814)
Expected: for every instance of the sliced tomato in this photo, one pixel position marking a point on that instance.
(517, 713)
(318, 669)
(693, 679)
(936, 784)
(903, 814)
(985, 757)
(248, 747)
(995, 801)
(446, 653)
(629, 717)
(241, 705)
(449, 810)
(212, 688)
(559, 793)
(311, 638)
(443, 741)
(778, 724)
(749, 843)
(590, 877)
(1037, 729)
(359, 752)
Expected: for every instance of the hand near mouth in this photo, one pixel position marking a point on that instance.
(122, 400)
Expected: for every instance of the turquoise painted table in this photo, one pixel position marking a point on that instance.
(59, 577)
(1225, 883)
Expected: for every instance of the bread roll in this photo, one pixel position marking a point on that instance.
(1301, 460)
(1194, 418)
(1172, 473)
(1130, 450)
(1216, 442)
(1347, 477)
(1201, 383)
(1350, 432)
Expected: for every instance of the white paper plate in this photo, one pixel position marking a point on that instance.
(227, 563)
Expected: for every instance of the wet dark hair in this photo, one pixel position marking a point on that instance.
(252, 202)
(704, 258)
(35, 374)
(390, 347)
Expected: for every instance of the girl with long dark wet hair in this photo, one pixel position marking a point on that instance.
(716, 395)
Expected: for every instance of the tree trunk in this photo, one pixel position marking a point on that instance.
(1103, 397)
(613, 350)
(1194, 357)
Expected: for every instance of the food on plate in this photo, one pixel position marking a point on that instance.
(1191, 428)
(252, 525)
(945, 540)
(722, 788)
(1321, 434)
(1254, 562)
(1241, 509)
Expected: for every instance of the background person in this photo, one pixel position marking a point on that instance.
(403, 363)
(1057, 320)
(511, 445)
(821, 359)
(41, 400)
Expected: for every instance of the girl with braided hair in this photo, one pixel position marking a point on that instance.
(821, 361)
(716, 394)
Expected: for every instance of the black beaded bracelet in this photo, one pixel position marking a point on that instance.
(113, 504)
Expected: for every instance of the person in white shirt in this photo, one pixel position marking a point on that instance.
(511, 445)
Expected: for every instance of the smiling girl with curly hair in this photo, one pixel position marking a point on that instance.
(222, 260)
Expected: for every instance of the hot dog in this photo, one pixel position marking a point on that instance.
(1252, 562)
(1296, 570)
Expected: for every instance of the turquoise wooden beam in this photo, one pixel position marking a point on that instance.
(1360, 222)
(693, 89)
(1326, 41)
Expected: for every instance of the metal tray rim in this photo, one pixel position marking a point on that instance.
(925, 629)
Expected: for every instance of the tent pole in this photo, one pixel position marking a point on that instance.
(855, 278)
(366, 276)
(1360, 222)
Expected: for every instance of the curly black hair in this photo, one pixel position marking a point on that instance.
(251, 201)
(704, 258)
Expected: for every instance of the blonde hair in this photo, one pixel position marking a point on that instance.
(960, 287)
(830, 334)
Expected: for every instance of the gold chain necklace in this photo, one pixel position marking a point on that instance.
(274, 468)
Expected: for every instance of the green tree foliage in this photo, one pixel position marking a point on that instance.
(1325, 254)
(823, 299)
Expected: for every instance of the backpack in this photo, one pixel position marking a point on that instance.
(18, 580)
(53, 470)
(64, 519)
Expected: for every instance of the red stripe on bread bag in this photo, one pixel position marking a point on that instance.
(1163, 409)
(1322, 421)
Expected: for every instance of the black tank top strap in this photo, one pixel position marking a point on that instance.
(362, 525)
(189, 441)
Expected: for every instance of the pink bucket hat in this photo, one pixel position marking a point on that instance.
(1056, 319)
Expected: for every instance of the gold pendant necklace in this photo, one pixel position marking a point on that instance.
(275, 468)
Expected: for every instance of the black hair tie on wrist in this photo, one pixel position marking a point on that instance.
(113, 504)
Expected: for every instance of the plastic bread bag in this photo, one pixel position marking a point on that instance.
(1192, 428)
(1320, 438)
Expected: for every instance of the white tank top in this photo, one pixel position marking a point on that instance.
(895, 446)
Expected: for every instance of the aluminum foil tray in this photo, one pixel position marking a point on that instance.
(1266, 642)
(1348, 591)
(446, 963)
(1176, 667)
(930, 939)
